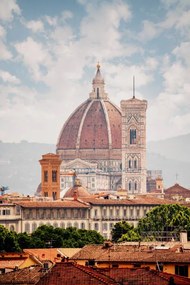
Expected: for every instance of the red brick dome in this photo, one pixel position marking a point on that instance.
(94, 127)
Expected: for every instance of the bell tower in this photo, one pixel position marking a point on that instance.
(50, 175)
(134, 145)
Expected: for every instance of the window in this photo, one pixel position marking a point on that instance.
(133, 136)
(130, 186)
(130, 163)
(12, 228)
(135, 163)
(181, 270)
(96, 226)
(27, 228)
(34, 227)
(6, 212)
(105, 227)
(83, 226)
(135, 185)
(45, 176)
(54, 175)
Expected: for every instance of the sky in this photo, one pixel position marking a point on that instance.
(49, 50)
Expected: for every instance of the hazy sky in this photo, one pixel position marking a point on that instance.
(48, 55)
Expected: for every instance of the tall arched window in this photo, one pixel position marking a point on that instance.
(133, 136)
(130, 164)
(27, 228)
(135, 163)
(130, 186)
(135, 185)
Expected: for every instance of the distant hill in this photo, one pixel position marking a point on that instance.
(173, 157)
(176, 148)
(20, 168)
(19, 165)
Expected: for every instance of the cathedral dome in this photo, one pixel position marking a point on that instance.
(93, 131)
(77, 191)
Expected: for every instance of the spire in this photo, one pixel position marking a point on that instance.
(98, 85)
(133, 87)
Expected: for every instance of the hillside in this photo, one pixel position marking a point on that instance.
(20, 168)
(19, 165)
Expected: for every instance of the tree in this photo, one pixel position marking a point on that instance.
(120, 229)
(172, 218)
(70, 237)
(131, 235)
(8, 240)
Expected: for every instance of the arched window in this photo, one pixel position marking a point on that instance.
(55, 225)
(135, 163)
(69, 225)
(133, 136)
(135, 185)
(96, 226)
(130, 186)
(27, 228)
(130, 164)
(12, 228)
(76, 225)
(34, 227)
(83, 226)
(62, 225)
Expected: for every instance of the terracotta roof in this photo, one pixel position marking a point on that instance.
(177, 189)
(139, 200)
(67, 273)
(88, 127)
(43, 254)
(11, 262)
(143, 276)
(28, 275)
(123, 253)
(52, 204)
(77, 191)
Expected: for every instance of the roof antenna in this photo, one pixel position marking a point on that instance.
(133, 87)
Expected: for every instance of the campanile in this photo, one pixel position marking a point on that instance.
(134, 145)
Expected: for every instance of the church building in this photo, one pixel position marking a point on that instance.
(104, 145)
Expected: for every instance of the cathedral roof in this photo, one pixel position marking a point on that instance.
(95, 124)
(77, 191)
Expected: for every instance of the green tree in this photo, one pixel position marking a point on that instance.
(131, 235)
(3, 234)
(172, 218)
(8, 240)
(120, 229)
(45, 236)
(11, 242)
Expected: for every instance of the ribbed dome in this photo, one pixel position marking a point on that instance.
(77, 191)
(94, 125)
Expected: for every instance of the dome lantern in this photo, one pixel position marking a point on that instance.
(98, 86)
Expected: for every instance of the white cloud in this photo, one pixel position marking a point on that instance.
(7, 9)
(5, 54)
(35, 26)
(8, 77)
(35, 56)
(149, 31)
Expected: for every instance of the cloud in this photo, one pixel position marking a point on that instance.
(149, 31)
(8, 77)
(34, 56)
(5, 54)
(35, 26)
(8, 9)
